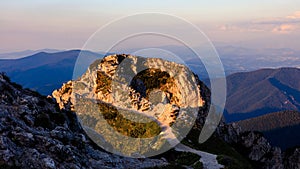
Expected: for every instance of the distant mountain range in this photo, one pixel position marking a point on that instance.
(44, 72)
(257, 93)
(24, 53)
(271, 121)
(234, 58)
(240, 59)
(281, 128)
(251, 94)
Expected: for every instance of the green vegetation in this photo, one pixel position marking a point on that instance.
(153, 79)
(186, 158)
(179, 159)
(103, 83)
(271, 121)
(198, 165)
(126, 126)
(217, 146)
(117, 129)
(229, 162)
(118, 122)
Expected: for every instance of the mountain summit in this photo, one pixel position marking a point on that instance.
(124, 86)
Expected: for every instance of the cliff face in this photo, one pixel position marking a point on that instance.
(36, 134)
(164, 81)
(151, 87)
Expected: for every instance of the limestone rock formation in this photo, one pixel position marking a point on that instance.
(161, 90)
(62, 96)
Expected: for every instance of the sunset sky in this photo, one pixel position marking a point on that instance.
(36, 24)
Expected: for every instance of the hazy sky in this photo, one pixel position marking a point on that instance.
(37, 24)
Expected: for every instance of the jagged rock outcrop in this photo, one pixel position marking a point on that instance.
(292, 158)
(158, 89)
(253, 145)
(62, 96)
(177, 85)
(36, 134)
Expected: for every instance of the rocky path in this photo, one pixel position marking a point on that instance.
(208, 160)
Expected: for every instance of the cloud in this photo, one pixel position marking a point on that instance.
(296, 15)
(290, 19)
(242, 27)
(279, 25)
(284, 29)
(228, 27)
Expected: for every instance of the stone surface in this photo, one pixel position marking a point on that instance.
(35, 133)
(161, 90)
(257, 148)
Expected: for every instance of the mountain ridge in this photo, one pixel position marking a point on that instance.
(271, 121)
(44, 72)
(280, 128)
(24, 53)
(261, 92)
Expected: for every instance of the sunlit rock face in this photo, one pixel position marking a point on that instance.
(146, 95)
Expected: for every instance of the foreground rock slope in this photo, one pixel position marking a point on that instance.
(35, 133)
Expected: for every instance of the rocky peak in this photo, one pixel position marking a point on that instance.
(171, 82)
(152, 87)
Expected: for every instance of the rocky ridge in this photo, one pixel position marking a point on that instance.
(255, 147)
(35, 133)
(152, 87)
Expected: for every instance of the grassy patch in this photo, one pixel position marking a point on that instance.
(153, 79)
(187, 158)
(177, 158)
(217, 146)
(117, 121)
(198, 165)
(231, 163)
(103, 83)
